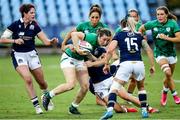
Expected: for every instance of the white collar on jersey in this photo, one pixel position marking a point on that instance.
(22, 21)
(126, 29)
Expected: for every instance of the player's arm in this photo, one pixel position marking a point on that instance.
(5, 38)
(149, 52)
(42, 36)
(96, 63)
(66, 38)
(142, 29)
(171, 39)
(76, 36)
(112, 46)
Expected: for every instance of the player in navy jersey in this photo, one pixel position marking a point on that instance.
(21, 34)
(130, 44)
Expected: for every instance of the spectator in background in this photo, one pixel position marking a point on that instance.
(24, 56)
(165, 31)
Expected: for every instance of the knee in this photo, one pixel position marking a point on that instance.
(28, 80)
(167, 70)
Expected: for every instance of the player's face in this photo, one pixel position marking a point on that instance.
(104, 40)
(94, 18)
(30, 16)
(135, 16)
(161, 16)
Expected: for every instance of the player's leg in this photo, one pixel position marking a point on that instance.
(26, 75)
(20, 63)
(83, 79)
(142, 98)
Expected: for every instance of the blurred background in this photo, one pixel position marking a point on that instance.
(56, 17)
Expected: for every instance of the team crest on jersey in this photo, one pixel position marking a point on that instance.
(155, 29)
(168, 29)
(19, 26)
(130, 34)
(31, 27)
(86, 31)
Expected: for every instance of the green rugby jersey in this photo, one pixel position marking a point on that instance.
(89, 37)
(86, 27)
(163, 47)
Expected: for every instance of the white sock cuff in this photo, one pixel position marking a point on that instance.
(74, 104)
(142, 92)
(175, 93)
(165, 89)
(51, 94)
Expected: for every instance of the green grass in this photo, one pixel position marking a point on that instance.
(15, 104)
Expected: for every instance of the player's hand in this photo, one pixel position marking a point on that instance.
(152, 71)
(106, 68)
(19, 41)
(54, 41)
(163, 36)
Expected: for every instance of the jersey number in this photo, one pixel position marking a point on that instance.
(130, 43)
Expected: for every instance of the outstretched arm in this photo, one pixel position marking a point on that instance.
(112, 46)
(149, 52)
(42, 36)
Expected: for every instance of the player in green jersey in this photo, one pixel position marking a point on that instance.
(88, 26)
(74, 67)
(165, 31)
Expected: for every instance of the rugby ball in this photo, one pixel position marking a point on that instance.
(85, 46)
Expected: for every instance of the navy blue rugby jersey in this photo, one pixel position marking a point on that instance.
(130, 45)
(97, 75)
(27, 33)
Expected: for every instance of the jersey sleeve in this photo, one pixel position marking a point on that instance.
(12, 27)
(79, 27)
(176, 27)
(91, 38)
(116, 36)
(149, 25)
(37, 28)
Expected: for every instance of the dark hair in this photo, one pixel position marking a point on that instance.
(103, 31)
(133, 10)
(25, 8)
(95, 9)
(166, 10)
(123, 23)
(95, 6)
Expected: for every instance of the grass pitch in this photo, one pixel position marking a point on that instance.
(15, 104)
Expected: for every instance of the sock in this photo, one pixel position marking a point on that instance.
(143, 98)
(35, 101)
(112, 100)
(173, 92)
(165, 90)
(44, 91)
(74, 105)
(51, 94)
